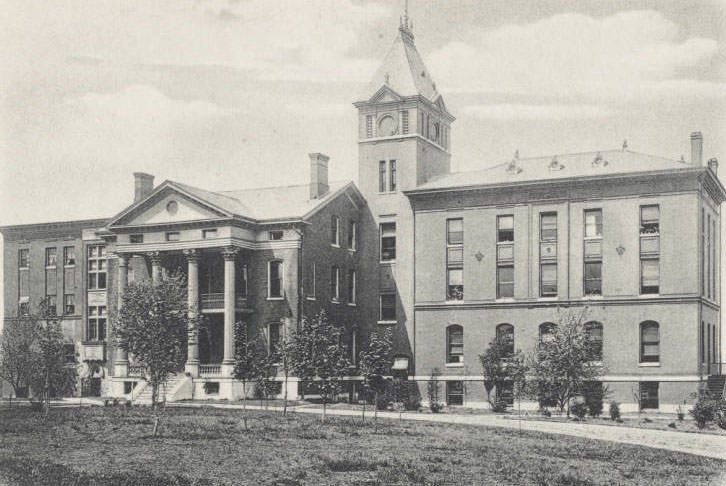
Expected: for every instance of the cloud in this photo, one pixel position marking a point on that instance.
(622, 57)
(515, 111)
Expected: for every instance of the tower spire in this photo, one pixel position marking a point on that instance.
(406, 23)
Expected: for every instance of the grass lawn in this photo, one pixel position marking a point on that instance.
(105, 446)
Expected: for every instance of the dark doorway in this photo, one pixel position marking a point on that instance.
(211, 339)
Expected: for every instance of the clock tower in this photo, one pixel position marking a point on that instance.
(403, 142)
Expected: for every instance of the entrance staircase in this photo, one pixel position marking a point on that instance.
(177, 387)
(716, 385)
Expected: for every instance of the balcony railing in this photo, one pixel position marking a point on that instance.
(215, 301)
(210, 369)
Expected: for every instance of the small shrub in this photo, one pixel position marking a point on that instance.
(499, 405)
(615, 411)
(680, 413)
(721, 421)
(435, 407)
(672, 425)
(579, 410)
(546, 412)
(707, 409)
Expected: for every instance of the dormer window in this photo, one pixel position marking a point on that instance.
(275, 235)
(172, 236)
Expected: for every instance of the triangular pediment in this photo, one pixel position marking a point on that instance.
(385, 94)
(167, 205)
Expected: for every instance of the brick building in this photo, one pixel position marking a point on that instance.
(448, 260)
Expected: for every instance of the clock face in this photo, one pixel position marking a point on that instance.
(386, 126)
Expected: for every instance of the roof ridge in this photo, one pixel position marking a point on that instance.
(268, 188)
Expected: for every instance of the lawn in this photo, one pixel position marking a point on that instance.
(204, 446)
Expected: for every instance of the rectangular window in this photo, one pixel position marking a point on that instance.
(505, 256)
(136, 238)
(352, 290)
(387, 307)
(23, 258)
(273, 338)
(455, 345)
(708, 256)
(69, 304)
(648, 394)
(274, 279)
(388, 242)
(454, 259)
(172, 236)
(505, 229)
(241, 278)
(548, 279)
(24, 308)
(209, 234)
(335, 231)
(455, 393)
(593, 278)
(50, 257)
(593, 223)
(52, 305)
(392, 176)
(96, 330)
(548, 255)
(69, 256)
(335, 284)
(505, 281)
(311, 290)
(69, 353)
(96, 267)
(274, 235)
(369, 126)
(649, 249)
(353, 235)
(592, 247)
(404, 121)
(382, 176)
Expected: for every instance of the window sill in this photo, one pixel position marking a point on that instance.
(352, 250)
(310, 298)
(333, 301)
(594, 296)
(548, 298)
(69, 265)
(454, 365)
(387, 323)
(275, 298)
(334, 245)
(387, 262)
(646, 296)
(352, 304)
(649, 365)
(505, 299)
(454, 301)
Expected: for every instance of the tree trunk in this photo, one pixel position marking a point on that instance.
(375, 407)
(244, 403)
(284, 403)
(324, 408)
(364, 410)
(156, 426)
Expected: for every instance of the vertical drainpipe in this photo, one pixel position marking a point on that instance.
(569, 259)
(413, 311)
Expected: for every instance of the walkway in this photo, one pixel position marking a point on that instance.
(707, 445)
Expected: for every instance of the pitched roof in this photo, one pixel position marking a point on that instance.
(586, 164)
(403, 70)
(267, 203)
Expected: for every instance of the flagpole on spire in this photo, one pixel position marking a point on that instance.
(406, 23)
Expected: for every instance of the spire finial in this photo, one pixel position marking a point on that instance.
(406, 23)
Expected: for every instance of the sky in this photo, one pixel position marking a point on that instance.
(229, 94)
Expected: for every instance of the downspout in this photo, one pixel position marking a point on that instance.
(300, 267)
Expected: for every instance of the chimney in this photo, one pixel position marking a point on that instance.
(318, 175)
(713, 165)
(696, 149)
(143, 185)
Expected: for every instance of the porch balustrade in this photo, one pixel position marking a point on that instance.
(210, 369)
(215, 301)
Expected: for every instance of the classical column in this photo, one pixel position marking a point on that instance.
(192, 364)
(229, 254)
(155, 257)
(121, 363)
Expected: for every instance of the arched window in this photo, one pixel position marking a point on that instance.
(547, 332)
(455, 344)
(649, 342)
(505, 337)
(593, 330)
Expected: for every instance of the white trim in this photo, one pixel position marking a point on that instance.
(215, 243)
(460, 364)
(604, 378)
(387, 323)
(649, 365)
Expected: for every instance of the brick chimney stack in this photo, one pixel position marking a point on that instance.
(143, 185)
(696, 149)
(318, 175)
